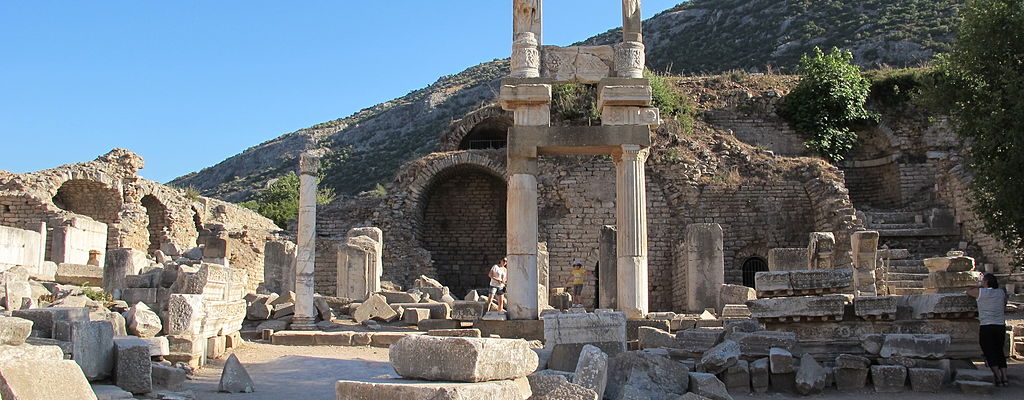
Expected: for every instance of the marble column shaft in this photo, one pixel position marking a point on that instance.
(631, 235)
(305, 312)
(521, 224)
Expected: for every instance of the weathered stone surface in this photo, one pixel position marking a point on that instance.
(783, 383)
(787, 259)
(592, 370)
(736, 294)
(949, 264)
(720, 357)
(133, 369)
(737, 377)
(926, 379)
(43, 379)
(705, 266)
(185, 314)
(651, 376)
(234, 378)
(413, 316)
(30, 352)
(566, 334)
(115, 319)
(920, 345)
(142, 321)
(92, 345)
(848, 379)
(168, 377)
(462, 359)
(760, 343)
(13, 330)
(889, 378)
(875, 306)
(390, 388)
(976, 388)
(437, 310)
(975, 375)
(821, 279)
(259, 308)
(810, 378)
(731, 311)
(463, 310)
(781, 361)
(709, 386)
(111, 392)
(760, 371)
(375, 307)
(470, 332)
(953, 282)
(43, 318)
(633, 326)
(852, 361)
(872, 343)
(802, 306)
(938, 305)
(79, 274)
(651, 337)
(400, 297)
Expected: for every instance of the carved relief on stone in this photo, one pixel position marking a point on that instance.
(630, 60)
(626, 115)
(559, 63)
(590, 68)
(525, 56)
(527, 17)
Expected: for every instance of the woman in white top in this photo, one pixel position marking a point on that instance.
(992, 334)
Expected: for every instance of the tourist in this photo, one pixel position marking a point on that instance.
(579, 277)
(498, 275)
(992, 334)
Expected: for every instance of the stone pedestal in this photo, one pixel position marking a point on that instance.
(631, 221)
(607, 267)
(359, 265)
(705, 266)
(305, 311)
(865, 258)
(522, 247)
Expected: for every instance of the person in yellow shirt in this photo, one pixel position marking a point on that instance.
(579, 278)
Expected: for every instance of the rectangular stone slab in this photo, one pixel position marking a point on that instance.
(802, 306)
(43, 379)
(405, 389)
(462, 359)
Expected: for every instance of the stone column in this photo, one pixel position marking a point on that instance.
(305, 312)
(606, 276)
(521, 217)
(631, 222)
(865, 258)
(629, 55)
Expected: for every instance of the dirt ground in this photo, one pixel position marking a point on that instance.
(309, 373)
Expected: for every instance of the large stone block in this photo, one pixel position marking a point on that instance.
(709, 386)
(820, 250)
(849, 379)
(592, 370)
(359, 266)
(821, 279)
(889, 378)
(760, 372)
(950, 282)
(566, 334)
(720, 357)
(155, 298)
(92, 346)
(407, 389)
(375, 307)
(13, 330)
(467, 310)
(810, 378)
(949, 264)
(645, 376)
(760, 343)
(168, 377)
(920, 345)
(437, 310)
(875, 307)
(462, 359)
(737, 377)
(787, 259)
(30, 352)
(736, 294)
(781, 361)
(234, 378)
(400, 297)
(705, 266)
(771, 281)
(798, 308)
(133, 369)
(950, 305)
(119, 264)
(926, 379)
(142, 321)
(43, 318)
(43, 379)
(79, 274)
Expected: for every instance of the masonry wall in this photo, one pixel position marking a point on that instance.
(877, 186)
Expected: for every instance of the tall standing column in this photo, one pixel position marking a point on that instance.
(521, 225)
(305, 312)
(631, 237)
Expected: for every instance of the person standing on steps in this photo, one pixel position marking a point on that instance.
(992, 333)
(499, 276)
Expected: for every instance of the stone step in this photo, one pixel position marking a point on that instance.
(918, 232)
(905, 284)
(900, 276)
(908, 269)
(874, 226)
(905, 291)
(894, 217)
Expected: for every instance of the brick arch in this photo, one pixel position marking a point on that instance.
(452, 139)
(417, 177)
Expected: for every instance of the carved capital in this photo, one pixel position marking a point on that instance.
(309, 164)
(633, 152)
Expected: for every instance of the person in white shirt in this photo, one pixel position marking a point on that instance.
(992, 333)
(498, 275)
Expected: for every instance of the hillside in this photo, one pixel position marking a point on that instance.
(695, 37)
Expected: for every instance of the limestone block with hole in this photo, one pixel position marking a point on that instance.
(462, 359)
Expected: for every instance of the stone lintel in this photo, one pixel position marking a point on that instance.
(528, 142)
(624, 95)
(514, 96)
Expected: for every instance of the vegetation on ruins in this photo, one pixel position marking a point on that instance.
(280, 201)
(827, 102)
(980, 83)
(575, 102)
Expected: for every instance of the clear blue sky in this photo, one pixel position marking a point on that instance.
(187, 84)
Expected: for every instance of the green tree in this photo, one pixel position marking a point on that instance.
(828, 102)
(980, 83)
(280, 201)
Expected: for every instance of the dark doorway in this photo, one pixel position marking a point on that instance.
(752, 266)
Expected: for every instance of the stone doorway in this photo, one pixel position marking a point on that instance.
(752, 266)
(463, 226)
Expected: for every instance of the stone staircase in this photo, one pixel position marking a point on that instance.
(906, 239)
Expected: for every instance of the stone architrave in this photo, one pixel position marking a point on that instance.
(279, 266)
(830, 306)
(357, 268)
(462, 359)
(606, 275)
(631, 222)
(305, 311)
(787, 259)
(820, 250)
(865, 260)
(705, 266)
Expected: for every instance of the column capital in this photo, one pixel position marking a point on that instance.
(309, 163)
(631, 152)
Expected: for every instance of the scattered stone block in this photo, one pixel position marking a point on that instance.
(168, 377)
(142, 321)
(259, 308)
(889, 378)
(783, 383)
(592, 370)
(633, 327)
(437, 310)
(759, 375)
(821, 279)
(736, 294)
(709, 386)
(43, 318)
(133, 369)
(781, 361)
(828, 307)
(926, 379)
(651, 337)
(875, 307)
(760, 343)
(467, 310)
(651, 376)
(432, 324)
(949, 264)
(849, 361)
(462, 359)
(216, 346)
(976, 388)
(79, 275)
(391, 388)
(737, 378)
(92, 345)
(115, 319)
(919, 345)
(731, 311)
(375, 307)
(29, 351)
(872, 343)
(234, 378)
(772, 281)
(13, 330)
(720, 357)
(400, 297)
(470, 332)
(283, 310)
(43, 379)
(945, 305)
(495, 316)
(974, 375)
(111, 392)
(849, 379)
(413, 316)
(566, 334)
(810, 378)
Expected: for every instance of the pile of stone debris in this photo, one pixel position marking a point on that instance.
(143, 330)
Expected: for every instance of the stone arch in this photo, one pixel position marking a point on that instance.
(94, 199)
(487, 128)
(159, 222)
(751, 266)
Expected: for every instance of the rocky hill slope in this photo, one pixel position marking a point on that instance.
(695, 37)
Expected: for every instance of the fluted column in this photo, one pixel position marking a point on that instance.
(305, 312)
(631, 236)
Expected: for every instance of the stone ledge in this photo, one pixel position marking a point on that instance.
(316, 338)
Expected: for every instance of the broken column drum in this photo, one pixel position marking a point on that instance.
(305, 312)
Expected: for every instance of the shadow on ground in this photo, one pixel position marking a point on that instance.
(290, 377)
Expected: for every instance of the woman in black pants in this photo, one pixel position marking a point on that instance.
(992, 335)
